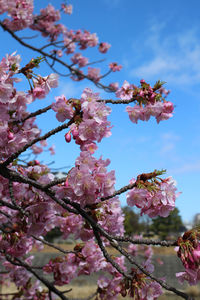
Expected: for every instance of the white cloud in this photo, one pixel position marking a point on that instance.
(176, 58)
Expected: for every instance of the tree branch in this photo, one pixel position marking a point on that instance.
(45, 54)
(41, 138)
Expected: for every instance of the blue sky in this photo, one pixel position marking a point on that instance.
(152, 40)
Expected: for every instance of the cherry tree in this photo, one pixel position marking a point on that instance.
(85, 202)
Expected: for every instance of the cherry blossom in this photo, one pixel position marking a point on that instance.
(85, 202)
(156, 199)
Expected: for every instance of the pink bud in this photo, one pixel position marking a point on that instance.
(10, 135)
(75, 133)
(68, 137)
(66, 182)
(37, 162)
(141, 93)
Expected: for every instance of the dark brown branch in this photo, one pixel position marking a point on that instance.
(9, 294)
(55, 182)
(54, 69)
(28, 37)
(45, 109)
(4, 203)
(14, 176)
(143, 270)
(51, 44)
(36, 113)
(5, 214)
(120, 191)
(97, 228)
(50, 286)
(107, 256)
(100, 230)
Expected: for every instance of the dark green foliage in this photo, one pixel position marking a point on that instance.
(132, 223)
(51, 235)
(172, 225)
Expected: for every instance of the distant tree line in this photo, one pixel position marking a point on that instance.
(162, 227)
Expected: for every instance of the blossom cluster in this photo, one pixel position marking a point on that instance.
(14, 133)
(150, 101)
(31, 206)
(153, 198)
(20, 13)
(109, 286)
(90, 119)
(47, 22)
(86, 259)
(142, 286)
(188, 251)
(88, 181)
(43, 85)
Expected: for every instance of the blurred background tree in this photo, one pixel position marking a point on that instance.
(132, 223)
(170, 226)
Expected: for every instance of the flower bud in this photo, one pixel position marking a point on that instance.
(10, 135)
(68, 137)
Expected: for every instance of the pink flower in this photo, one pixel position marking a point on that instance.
(77, 58)
(125, 92)
(114, 86)
(36, 149)
(115, 67)
(94, 74)
(159, 201)
(63, 108)
(67, 8)
(103, 47)
(38, 92)
(21, 13)
(52, 150)
(135, 113)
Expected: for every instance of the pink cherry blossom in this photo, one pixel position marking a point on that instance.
(156, 202)
(63, 108)
(125, 92)
(94, 74)
(67, 8)
(115, 67)
(103, 47)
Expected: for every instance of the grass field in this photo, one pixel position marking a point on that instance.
(86, 289)
(157, 250)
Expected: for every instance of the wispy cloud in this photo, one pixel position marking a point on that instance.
(168, 143)
(176, 58)
(186, 168)
(74, 89)
(71, 89)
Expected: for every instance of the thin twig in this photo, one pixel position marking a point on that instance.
(50, 286)
(41, 138)
(45, 54)
(53, 246)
